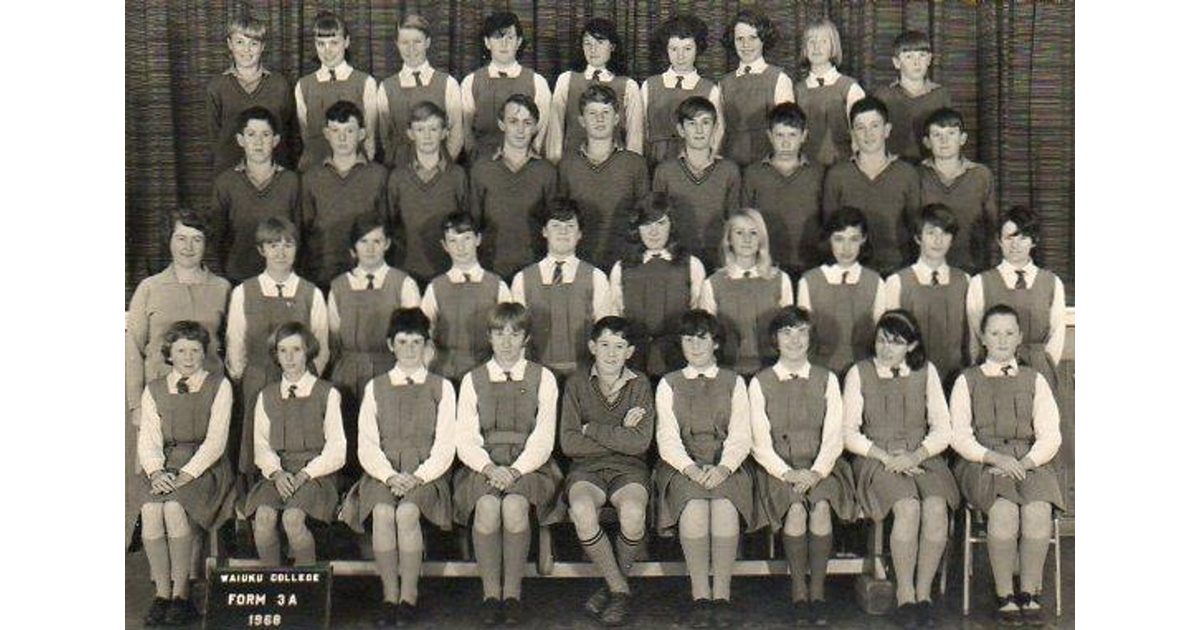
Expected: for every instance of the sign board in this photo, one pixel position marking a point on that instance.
(276, 597)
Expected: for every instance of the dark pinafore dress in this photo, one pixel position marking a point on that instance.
(657, 293)
(207, 499)
(703, 407)
(398, 150)
(575, 135)
(894, 418)
(407, 417)
(460, 332)
(561, 318)
(796, 409)
(941, 312)
(843, 319)
(746, 101)
(662, 141)
(1033, 314)
(1002, 418)
(745, 307)
(318, 98)
(489, 95)
(264, 313)
(297, 436)
(828, 125)
(507, 415)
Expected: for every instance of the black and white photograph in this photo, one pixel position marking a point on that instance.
(608, 313)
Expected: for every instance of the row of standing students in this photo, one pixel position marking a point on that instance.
(793, 419)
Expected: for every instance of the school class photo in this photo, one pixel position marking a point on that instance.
(603, 314)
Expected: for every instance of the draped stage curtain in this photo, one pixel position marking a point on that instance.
(1008, 65)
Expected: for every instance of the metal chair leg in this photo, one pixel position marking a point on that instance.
(1057, 569)
(946, 553)
(966, 607)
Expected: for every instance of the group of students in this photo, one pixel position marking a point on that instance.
(498, 357)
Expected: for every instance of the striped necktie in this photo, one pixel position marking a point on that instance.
(935, 278)
(182, 386)
(370, 281)
(1021, 284)
(557, 278)
(292, 390)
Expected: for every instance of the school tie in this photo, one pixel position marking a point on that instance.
(746, 274)
(417, 77)
(895, 372)
(1021, 284)
(845, 277)
(370, 282)
(1007, 370)
(935, 278)
(508, 376)
(279, 289)
(292, 390)
(181, 386)
(746, 71)
(332, 76)
(408, 380)
(678, 83)
(596, 75)
(557, 278)
(820, 81)
(794, 375)
(502, 73)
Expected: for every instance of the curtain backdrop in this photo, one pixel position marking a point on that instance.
(1009, 66)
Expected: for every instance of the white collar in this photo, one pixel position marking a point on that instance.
(784, 375)
(690, 372)
(924, 272)
(1010, 269)
(341, 71)
(195, 381)
(664, 254)
(425, 70)
(269, 288)
(397, 375)
(625, 376)
(606, 75)
(496, 374)
(992, 368)
(569, 268)
(512, 71)
(303, 386)
(689, 80)
(457, 276)
(884, 372)
(757, 67)
(734, 271)
(361, 272)
(833, 273)
(831, 76)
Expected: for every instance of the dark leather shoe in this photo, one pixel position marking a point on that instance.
(491, 612)
(514, 612)
(385, 615)
(158, 612)
(597, 601)
(617, 611)
(406, 614)
(181, 612)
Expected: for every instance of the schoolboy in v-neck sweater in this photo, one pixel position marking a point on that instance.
(703, 200)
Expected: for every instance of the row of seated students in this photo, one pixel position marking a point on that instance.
(731, 458)
(795, 159)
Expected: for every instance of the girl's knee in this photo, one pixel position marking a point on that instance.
(294, 521)
(383, 516)
(487, 514)
(820, 521)
(1003, 520)
(795, 522)
(1035, 520)
(153, 526)
(176, 519)
(408, 517)
(907, 510)
(265, 518)
(694, 521)
(724, 518)
(515, 511)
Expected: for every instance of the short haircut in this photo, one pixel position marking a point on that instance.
(680, 27)
(1027, 221)
(761, 24)
(698, 323)
(412, 321)
(522, 100)
(189, 218)
(868, 104)
(275, 229)
(937, 215)
(413, 21)
(563, 209)
(599, 93)
(424, 111)
(342, 112)
(184, 329)
(247, 24)
(841, 219)
(649, 209)
(495, 23)
(257, 112)
(835, 40)
(508, 315)
(328, 24)
(366, 223)
(762, 260)
(614, 324)
(605, 29)
(911, 41)
(789, 317)
(998, 310)
(789, 114)
(899, 323)
(287, 329)
(692, 107)
(945, 117)
(461, 222)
